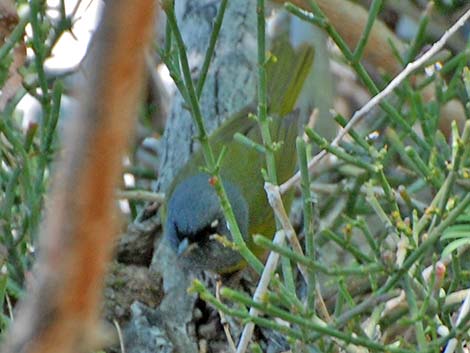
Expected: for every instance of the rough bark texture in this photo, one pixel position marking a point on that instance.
(230, 85)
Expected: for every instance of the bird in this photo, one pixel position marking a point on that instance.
(195, 223)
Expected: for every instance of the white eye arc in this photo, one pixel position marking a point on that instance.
(215, 223)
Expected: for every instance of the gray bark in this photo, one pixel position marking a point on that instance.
(231, 82)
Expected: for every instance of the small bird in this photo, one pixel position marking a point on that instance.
(195, 225)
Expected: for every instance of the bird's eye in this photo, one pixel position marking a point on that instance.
(215, 224)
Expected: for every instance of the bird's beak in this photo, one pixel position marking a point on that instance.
(186, 247)
(183, 246)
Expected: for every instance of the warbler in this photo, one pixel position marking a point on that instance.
(195, 225)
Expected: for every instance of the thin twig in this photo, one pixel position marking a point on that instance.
(456, 297)
(121, 339)
(275, 201)
(359, 114)
(463, 312)
(321, 305)
(141, 195)
(223, 320)
(10, 307)
(260, 291)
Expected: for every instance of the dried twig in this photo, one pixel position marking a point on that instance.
(223, 320)
(261, 289)
(463, 312)
(141, 195)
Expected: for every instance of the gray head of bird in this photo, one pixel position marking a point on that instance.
(195, 222)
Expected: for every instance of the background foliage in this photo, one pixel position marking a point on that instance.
(385, 225)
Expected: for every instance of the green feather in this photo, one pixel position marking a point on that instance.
(286, 73)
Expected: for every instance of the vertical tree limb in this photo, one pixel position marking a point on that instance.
(61, 312)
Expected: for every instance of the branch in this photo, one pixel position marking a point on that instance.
(61, 312)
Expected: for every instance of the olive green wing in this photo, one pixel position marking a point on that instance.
(241, 164)
(286, 73)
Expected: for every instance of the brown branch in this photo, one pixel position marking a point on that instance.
(349, 20)
(61, 312)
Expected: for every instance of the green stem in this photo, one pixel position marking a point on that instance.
(38, 45)
(373, 12)
(211, 47)
(262, 93)
(425, 245)
(316, 266)
(340, 153)
(309, 221)
(411, 298)
(311, 325)
(348, 246)
(205, 295)
(14, 37)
